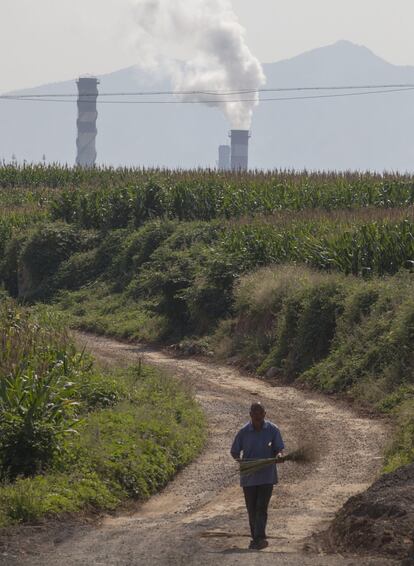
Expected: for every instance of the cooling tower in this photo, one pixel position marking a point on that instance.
(224, 158)
(239, 150)
(87, 116)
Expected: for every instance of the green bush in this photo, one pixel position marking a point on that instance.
(316, 328)
(46, 249)
(396, 398)
(110, 246)
(287, 331)
(137, 250)
(79, 270)
(99, 391)
(377, 350)
(358, 305)
(27, 446)
(306, 329)
(165, 282)
(9, 266)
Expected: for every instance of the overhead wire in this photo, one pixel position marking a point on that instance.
(210, 92)
(27, 98)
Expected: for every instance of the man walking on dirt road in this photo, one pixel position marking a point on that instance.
(258, 439)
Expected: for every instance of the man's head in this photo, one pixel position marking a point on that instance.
(257, 414)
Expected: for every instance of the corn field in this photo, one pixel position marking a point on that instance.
(202, 194)
(352, 222)
(376, 248)
(218, 197)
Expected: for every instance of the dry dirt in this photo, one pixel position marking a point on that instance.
(379, 519)
(200, 519)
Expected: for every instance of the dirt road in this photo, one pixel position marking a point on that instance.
(181, 526)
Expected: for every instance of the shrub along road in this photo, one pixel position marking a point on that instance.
(182, 524)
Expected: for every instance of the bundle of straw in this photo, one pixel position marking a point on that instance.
(302, 455)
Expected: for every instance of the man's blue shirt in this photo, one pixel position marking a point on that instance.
(265, 443)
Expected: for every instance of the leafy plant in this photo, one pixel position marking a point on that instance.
(37, 390)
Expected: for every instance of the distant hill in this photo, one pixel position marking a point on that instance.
(369, 132)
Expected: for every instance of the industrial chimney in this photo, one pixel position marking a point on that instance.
(239, 150)
(224, 158)
(87, 116)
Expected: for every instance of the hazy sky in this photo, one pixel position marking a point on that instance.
(44, 41)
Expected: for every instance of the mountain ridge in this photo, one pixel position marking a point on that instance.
(340, 44)
(367, 132)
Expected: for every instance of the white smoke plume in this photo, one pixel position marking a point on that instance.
(208, 37)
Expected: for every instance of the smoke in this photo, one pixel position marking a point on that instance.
(207, 38)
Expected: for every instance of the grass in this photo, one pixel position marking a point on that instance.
(29, 500)
(126, 452)
(401, 451)
(97, 309)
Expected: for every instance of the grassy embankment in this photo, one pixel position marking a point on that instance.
(309, 275)
(74, 437)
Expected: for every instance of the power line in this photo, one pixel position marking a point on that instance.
(210, 92)
(215, 101)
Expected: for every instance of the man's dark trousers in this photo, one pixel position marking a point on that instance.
(257, 499)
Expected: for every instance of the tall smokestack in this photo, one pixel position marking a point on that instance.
(87, 116)
(224, 158)
(239, 150)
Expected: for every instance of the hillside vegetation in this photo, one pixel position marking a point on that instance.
(304, 277)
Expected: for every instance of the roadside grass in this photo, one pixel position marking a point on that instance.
(130, 430)
(96, 308)
(401, 451)
(339, 334)
(335, 331)
(128, 451)
(30, 500)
